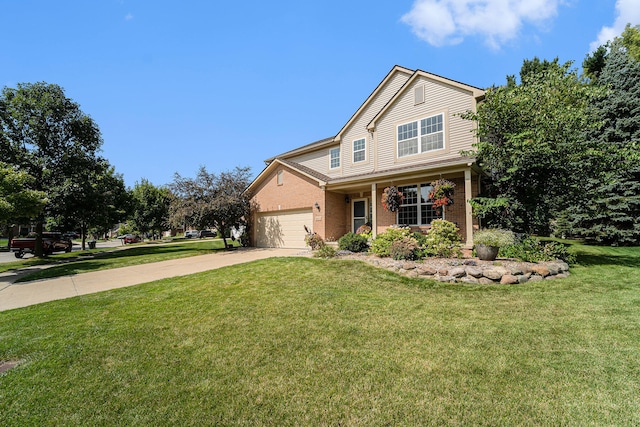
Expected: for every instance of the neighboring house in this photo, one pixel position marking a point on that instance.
(407, 133)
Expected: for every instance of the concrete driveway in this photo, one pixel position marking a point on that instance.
(16, 295)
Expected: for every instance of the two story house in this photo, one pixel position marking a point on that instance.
(407, 133)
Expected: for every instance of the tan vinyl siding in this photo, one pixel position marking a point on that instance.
(358, 129)
(316, 160)
(439, 98)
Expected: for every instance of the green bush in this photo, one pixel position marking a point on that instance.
(406, 248)
(382, 243)
(530, 249)
(325, 252)
(443, 239)
(353, 242)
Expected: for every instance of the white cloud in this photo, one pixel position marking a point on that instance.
(446, 22)
(128, 17)
(627, 12)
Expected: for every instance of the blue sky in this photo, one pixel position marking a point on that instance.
(176, 85)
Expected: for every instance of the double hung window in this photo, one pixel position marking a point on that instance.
(421, 136)
(417, 208)
(359, 150)
(334, 156)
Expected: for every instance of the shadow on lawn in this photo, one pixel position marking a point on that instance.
(624, 259)
(95, 262)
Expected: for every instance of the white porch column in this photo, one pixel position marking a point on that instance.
(374, 215)
(468, 211)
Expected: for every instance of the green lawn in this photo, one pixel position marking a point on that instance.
(298, 341)
(103, 259)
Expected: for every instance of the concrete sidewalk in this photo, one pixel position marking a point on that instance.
(16, 295)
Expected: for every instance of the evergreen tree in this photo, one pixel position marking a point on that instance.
(611, 212)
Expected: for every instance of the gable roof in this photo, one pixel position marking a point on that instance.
(413, 75)
(326, 142)
(395, 70)
(476, 92)
(301, 150)
(320, 178)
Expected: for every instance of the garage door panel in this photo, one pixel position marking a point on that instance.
(283, 230)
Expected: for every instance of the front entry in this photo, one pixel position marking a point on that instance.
(359, 213)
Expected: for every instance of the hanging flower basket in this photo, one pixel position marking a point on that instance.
(441, 194)
(392, 199)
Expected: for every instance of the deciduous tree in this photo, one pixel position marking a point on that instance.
(211, 200)
(150, 207)
(531, 144)
(44, 133)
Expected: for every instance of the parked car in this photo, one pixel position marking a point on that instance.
(131, 238)
(206, 233)
(70, 235)
(51, 242)
(191, 233)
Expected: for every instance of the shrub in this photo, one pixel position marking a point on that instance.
(382, 243)
(443, 239)
(530, 249)
(406, 248)
(325, 252)
(353, 242)
(314, 241)
(494, 237)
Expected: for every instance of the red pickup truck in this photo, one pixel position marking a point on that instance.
(51, 242)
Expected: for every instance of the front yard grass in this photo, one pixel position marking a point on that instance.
(298, 341)
(104, 259)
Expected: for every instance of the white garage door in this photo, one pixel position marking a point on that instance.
(283, 229)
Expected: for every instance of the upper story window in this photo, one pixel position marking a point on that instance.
(280, 178)
(334, 156)
(359, 150)
(421, 136)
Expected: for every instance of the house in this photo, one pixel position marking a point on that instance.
(407, 133)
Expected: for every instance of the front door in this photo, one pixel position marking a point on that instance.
(359, 213)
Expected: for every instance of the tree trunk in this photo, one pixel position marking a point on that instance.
(83, 231)
(39, 249)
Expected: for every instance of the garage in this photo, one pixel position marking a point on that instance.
(283, 229)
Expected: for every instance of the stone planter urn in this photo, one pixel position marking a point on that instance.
(487, 253)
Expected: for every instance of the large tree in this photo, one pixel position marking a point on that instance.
(531, 145)
(150, 207)
(212, 200)
(45, 134)
(94, 197)
(611, 212)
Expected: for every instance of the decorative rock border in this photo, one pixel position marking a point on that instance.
(503, 271)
